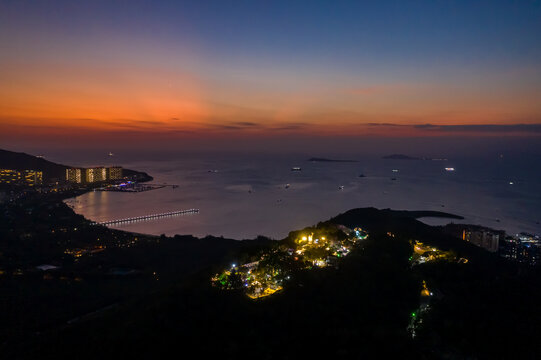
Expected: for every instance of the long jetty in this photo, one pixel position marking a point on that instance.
(149, 217)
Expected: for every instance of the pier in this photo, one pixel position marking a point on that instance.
(134, 187)
(149, 217)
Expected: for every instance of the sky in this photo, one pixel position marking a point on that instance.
(182, 73)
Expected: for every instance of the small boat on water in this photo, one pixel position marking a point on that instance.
(395, 170)
(450, 169)
(295, 168)
(341, 187)
(362, 175)
(287, 186)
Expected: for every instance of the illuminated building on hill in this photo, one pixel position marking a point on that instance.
(93, 174)
(32, 177)
(114, 173)
(524, 248)
(74, 175)
(481, 237)
(8, 176)
(24, 177)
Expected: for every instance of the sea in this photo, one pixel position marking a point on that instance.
(242, 196)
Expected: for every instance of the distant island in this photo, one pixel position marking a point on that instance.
(363, 279)
(401, 157)
(406, 157)
(316, 159)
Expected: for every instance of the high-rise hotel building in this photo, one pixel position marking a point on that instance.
(32, 177)
(75, 175)
(95, 174)
(114, 173)
(21, 177)
(8, 176)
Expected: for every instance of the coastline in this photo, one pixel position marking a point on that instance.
(132, 274)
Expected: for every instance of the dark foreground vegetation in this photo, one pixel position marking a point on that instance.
(114, 293)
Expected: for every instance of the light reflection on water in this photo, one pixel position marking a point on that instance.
(247, 196)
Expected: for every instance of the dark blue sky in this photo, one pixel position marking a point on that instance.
(269, 65)
(452, 30)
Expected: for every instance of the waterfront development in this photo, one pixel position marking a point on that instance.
(362, 270)
(278, 180)
(256, 194)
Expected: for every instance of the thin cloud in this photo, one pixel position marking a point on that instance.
(291, 126)
(467, 128)
(246, 124)
(385, 124)
(484, 128)
(237, 125)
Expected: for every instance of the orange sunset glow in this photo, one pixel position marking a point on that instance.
(117, 80)
(270, 179)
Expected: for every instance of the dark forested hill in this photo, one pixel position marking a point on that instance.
(479, 307)
(22, 161)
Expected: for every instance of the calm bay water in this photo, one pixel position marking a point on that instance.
(242, 196)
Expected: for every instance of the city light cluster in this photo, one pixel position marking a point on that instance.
(416, 318)
(21, 177)
(274, 267)
(423, 253)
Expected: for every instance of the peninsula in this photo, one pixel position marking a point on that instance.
(368, 281)
(52, 172)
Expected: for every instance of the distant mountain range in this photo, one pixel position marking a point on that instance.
(22, 161)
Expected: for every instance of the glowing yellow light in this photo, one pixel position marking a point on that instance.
(268, 291)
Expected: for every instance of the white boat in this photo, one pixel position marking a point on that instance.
(450, 169)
